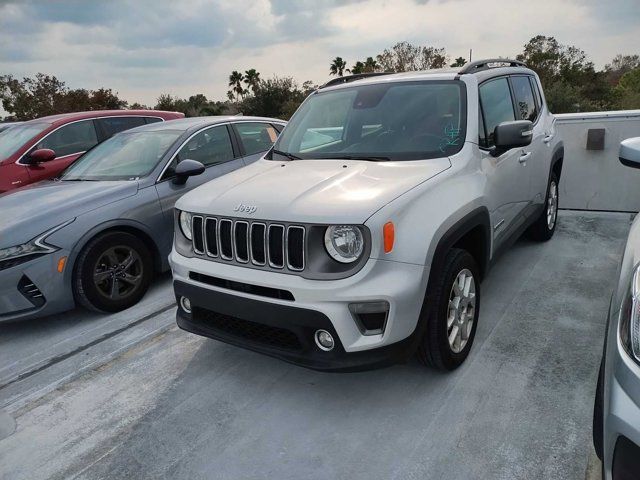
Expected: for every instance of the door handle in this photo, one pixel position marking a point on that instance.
(524, 157)
(548, 138)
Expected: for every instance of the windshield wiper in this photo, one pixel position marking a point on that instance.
(368, 158)
(288, 155)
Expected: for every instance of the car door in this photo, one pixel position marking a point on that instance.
(527, 108)
(214, 148)
(68, 142)
(507, 173)
(255, 138)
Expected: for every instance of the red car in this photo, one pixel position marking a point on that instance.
(39, 149)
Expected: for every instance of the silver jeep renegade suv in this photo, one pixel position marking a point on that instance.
(362, 236)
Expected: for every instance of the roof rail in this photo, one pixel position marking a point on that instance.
(352, 78)
(480, 65)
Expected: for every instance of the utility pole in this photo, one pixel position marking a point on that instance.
(470, 54)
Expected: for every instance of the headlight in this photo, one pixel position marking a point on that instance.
(630, 318)
(17, 254)
(185, 224)
(344, 243)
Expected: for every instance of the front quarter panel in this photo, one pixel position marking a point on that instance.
(423, 215)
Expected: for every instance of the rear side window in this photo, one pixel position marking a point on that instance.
(536, 93)
(256, 137)
(75, 137)
(497, 107)
(152, 119)
(113, 125)
(526, 108)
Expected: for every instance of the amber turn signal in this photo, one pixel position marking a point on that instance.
(61, 264)
(389, 235)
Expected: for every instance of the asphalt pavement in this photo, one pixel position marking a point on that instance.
(131, 396)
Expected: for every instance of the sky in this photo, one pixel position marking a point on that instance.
(142, 48)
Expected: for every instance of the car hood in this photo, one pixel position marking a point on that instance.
(32, 210)
(314, 191)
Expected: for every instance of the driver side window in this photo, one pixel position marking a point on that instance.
(211, 146)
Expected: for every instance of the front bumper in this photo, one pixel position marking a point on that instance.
(316, 305)
(284, 332)
(34, 289)
(621, 410)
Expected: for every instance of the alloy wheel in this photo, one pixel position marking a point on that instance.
(461, 311)
(118, 272)
(552, 205)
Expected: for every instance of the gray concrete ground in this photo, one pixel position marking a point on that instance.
(173, 405)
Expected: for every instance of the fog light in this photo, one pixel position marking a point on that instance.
(324, 340)
(185, 303)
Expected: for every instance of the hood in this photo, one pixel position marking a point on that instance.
(314, 191)
(32, 210)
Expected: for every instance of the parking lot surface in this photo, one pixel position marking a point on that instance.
(138, 398)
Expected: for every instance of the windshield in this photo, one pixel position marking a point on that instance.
(126, 156)
(383, 121)
(15, 137)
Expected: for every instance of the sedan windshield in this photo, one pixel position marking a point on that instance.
(15, 137)
(126, 156)
(378, 122)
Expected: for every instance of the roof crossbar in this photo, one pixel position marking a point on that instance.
(480, 65)
(353, 78)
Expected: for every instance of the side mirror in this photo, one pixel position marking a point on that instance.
(185, 169)
(41, 155)
(512, 134)
(630, 152)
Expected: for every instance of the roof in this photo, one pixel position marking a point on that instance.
(66, 117)
(184, 124)
(482, 69)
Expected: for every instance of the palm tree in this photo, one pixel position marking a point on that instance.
(235, 82)
(358, 67)
(460, 61)
(338, 66)
(252, 79)
(370, 65)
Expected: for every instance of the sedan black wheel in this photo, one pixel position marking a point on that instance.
(118, 272)
(112, 272)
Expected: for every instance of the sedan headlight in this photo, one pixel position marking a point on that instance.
(185, 224)
(35, 247)
(630, 318)
(344, 243)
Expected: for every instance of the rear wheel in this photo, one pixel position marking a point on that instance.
(452, 312)
(545, 226)
(113, 272)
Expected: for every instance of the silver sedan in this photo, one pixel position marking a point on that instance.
(97, 235)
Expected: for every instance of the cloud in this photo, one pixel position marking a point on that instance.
(142, 48)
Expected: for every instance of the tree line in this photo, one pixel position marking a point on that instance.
(571, 84)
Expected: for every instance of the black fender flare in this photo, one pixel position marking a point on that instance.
(479, 217)
(557, 156)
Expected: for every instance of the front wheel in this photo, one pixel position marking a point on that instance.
(545, 226)
(113, 272)
(451, 312)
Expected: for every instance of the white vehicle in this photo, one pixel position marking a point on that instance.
(363, 235)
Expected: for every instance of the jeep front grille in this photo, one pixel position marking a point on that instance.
(270, 245)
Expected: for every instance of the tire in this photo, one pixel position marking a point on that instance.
(113, 258)
(436, 350)
(598, 418)
(545, 226)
